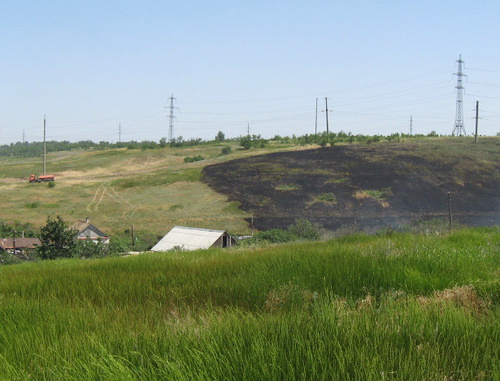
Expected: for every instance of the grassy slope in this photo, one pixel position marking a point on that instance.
(153, 190)
(401, 307)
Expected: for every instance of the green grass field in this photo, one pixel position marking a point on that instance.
(388, 307)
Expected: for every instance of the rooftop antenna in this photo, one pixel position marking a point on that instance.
(459, 129)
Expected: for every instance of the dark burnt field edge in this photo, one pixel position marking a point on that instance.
(366, 186)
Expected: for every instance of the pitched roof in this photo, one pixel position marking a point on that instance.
(21, 243)
(187, 238)
(82, 226)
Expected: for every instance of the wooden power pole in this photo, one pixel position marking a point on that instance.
(477, 120)
(44, 144)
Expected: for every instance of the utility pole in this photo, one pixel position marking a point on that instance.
(411, 125)
(44, 143)
(316, 119)
(24, 136)
(450, 217)
(119, 132)
(326, 111)
(248, 129)
(477, 120)
(459, 129)
(171, 119)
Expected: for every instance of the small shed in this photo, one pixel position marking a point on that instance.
(86, 230)
(185, 238)
(15, 245)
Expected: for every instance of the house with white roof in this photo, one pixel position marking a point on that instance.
(186, 238)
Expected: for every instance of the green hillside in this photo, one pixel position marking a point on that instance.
(150, 189)
(155, 189)
(398, 307)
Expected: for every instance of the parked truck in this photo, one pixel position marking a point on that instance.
(39, 179)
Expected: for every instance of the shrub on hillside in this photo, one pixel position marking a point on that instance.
(301, 229)
(304, 229)
(246, 142)
(190, 159)
(275, 236)
(91, 249)
(226, 150)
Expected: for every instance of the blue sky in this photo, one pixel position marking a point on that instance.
(92, 65)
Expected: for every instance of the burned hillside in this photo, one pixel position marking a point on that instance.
(386, 184)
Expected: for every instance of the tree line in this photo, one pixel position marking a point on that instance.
(35, 149)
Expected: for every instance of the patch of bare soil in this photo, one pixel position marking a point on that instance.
(368, 186)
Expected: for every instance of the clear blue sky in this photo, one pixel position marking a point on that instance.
(91, 65)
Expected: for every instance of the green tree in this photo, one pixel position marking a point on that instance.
(220, 137)
(57, 240)
(246, 142)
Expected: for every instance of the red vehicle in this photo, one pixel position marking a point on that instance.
(39, 179)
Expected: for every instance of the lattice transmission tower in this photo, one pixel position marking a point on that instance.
(459, 129)
(171, 119)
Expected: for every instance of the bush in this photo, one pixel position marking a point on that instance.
(226, 150)
(9, 230)
(328, 197)
(8, 259)
(275, 236)
(305, 229)
(246, 143)
(189, 159)
(301, 229)
(91, 249)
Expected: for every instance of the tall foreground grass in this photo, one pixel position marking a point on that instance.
(399, 307)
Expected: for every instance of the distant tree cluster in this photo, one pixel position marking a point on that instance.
(324, 139)
(35, 149)
(255, 141)
(17, 229)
